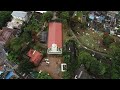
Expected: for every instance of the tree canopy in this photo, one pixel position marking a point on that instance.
(26, 66)
(44, 75)
(5, 16)
(91, 63)
(107, 40)
(47, 16)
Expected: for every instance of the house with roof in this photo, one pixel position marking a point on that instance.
(43, 37)
(2, 70)
(6, 34)
(112, 13)
(6, 73)
(35, 56)
(55, 38)
(91, 16)
(2, 55)
(41, 11)
(11, 75)
(19, 17)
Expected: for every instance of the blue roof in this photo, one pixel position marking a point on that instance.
(21, 14)
(1, 72)
(101, 18)
(9, 75)
(91, 16)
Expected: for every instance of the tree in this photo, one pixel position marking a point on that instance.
(107, 40)
(13, 57)
(97, 68)
(114, 54)
(66, 75)
(83, 25)
(47, 16)
(84, 57)
(15, 44)
(26, 36)
(26, 66)
(91, 63)
(43, 75)
(5, 16)
(65, 17)
(34, 26)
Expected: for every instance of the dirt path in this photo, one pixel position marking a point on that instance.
(53, 68)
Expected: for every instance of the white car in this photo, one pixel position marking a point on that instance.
(63, 67)
(118, 35)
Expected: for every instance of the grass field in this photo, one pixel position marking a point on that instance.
(92, 39)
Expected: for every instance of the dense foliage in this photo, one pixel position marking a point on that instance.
(26, 66)
(107, 40)
(114, 54)
(91, 63)
(5, 16)
(71, 61)
(42, 75)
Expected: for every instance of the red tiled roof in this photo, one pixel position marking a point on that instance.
(35, 56)
(55, 34)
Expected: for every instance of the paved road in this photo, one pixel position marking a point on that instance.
(80, 44)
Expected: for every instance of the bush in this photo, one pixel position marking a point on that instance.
(26, 66)
(107, 40)
(13, 57)
(5, 16)
(43, 75)
(92, 64)
(66, 75)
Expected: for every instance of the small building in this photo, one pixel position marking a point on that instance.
(35, 56)
(6, 34)
(19, 17)
(11, 75)
(112, 13)
(91, 16)
(41, 11)
(2, 55)
(43, 37)
(1, 70)
(55, 38)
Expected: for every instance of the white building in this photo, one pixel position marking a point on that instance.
(19, 17)
(41, 11)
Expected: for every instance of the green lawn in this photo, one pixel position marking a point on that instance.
(92, 40)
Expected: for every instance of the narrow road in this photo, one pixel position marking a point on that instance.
(85, 46)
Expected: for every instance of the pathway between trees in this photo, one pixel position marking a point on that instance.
(81, 45)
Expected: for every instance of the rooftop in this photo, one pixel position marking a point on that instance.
(21, 14)
(35, 56)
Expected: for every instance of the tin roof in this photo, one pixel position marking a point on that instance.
(35, 56)
(21, 14)
(55, 34)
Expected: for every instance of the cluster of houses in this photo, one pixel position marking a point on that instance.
(107, 18)
(6, 68)
(10, 31)
(13, 27)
